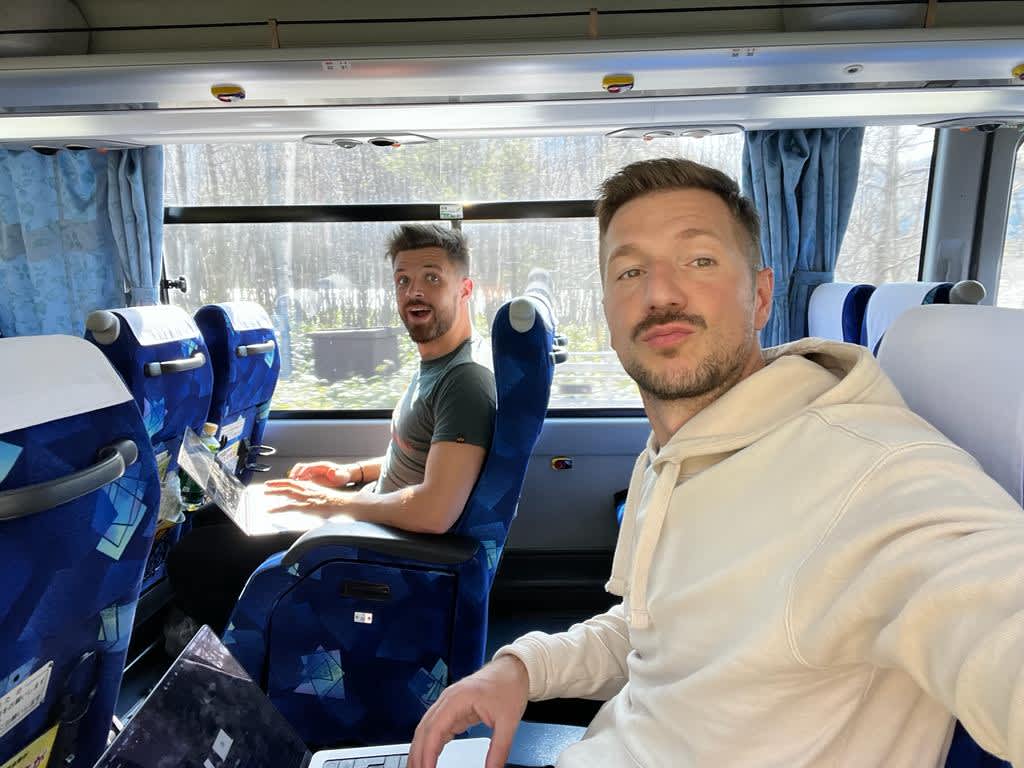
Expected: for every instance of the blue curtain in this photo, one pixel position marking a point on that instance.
(802, 182)
(78, 231)
(135, 202)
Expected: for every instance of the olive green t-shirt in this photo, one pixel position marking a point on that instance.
(450, 399)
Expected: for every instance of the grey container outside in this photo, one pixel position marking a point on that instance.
(345, 352)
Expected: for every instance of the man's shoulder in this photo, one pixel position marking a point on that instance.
(467, 377)
(470, 366)
(888, 427)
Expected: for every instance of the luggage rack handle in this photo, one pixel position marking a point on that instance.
(248, 350)
(198, 360)
(111, 464)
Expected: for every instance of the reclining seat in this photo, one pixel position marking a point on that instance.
(953, 368)
(246, 364)
(161, 355)
(356, 630)
(78, 507)
(836, 311)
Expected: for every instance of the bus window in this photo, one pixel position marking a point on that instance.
(883, 239)
(328, 286)
(1011, 273)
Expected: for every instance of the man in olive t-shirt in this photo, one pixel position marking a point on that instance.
(440, 433)
(448, 400)
(441, 429)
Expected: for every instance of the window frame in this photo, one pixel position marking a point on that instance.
(390, 212)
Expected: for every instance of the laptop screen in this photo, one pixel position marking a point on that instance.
(206, 712)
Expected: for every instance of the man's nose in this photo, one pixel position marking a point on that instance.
(666, 286)
(416, 287)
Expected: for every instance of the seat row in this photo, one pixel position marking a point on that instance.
(859, 313)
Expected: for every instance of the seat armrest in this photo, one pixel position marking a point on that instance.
(443, 549)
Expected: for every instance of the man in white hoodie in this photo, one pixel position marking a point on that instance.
(810, 574)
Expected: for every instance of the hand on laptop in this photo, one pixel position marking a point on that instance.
(324, 473)
(309, 496)
(495, 696)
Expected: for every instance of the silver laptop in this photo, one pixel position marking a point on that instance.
(206, 712)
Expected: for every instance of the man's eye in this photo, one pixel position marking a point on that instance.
(629, 274)
(433, 278)
(402, 282)
(704, 261)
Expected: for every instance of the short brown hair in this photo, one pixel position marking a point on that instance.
(411, 237)
(672, 173)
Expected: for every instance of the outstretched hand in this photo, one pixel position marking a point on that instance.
(304, 494)
(495, 696)
(323, 473)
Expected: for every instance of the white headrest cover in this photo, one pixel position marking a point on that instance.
(247, 316)
(825, 311)
(888, 302)
(46, 378)
(159, 323)
(961, 368)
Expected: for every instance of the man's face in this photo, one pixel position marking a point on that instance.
(681, 302)
(429, 290)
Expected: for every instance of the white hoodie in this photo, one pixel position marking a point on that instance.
(811, 576)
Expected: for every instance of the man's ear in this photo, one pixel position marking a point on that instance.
(764, 287)
(467, 288)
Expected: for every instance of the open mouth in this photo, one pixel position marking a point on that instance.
(419, 313)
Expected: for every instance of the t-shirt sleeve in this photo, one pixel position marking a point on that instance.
(464, 408)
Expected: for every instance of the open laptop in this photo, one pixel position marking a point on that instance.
(206, 712)
(247, 506)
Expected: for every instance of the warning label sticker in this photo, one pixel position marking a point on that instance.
(22, 699)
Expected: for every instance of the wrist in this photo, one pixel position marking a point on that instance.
(357, 473)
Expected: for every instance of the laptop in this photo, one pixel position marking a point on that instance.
(206, 712)
(255, 512)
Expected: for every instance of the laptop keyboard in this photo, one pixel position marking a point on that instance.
(377, 761)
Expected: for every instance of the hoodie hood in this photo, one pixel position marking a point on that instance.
(798, 377)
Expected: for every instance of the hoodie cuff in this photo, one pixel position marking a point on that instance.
(530, 651)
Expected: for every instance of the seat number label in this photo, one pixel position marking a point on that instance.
(363, 618)
(23, 698)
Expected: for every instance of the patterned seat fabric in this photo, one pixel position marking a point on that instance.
(357, 629)
(162, 358)
(71, 568)
(246, 364)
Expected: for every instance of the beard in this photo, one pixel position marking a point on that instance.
(421, 333)
(719, 371)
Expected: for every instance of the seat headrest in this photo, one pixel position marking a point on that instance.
(47, 378)
(154, 324)
(890, 300)
(836, 311)
(246, 315)
(960, 368)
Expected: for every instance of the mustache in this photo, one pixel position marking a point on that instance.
(664, 316)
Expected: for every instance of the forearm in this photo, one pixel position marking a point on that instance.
(587, 661)
(411, 509)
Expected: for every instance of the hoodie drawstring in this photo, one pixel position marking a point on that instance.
(635, 600)
(624, 545)
(650, 532)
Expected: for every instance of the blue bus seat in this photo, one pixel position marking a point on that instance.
(954, 368)
(246, 364)
(78, 505)
(356, 630)
(836, 311)
(162, 358)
